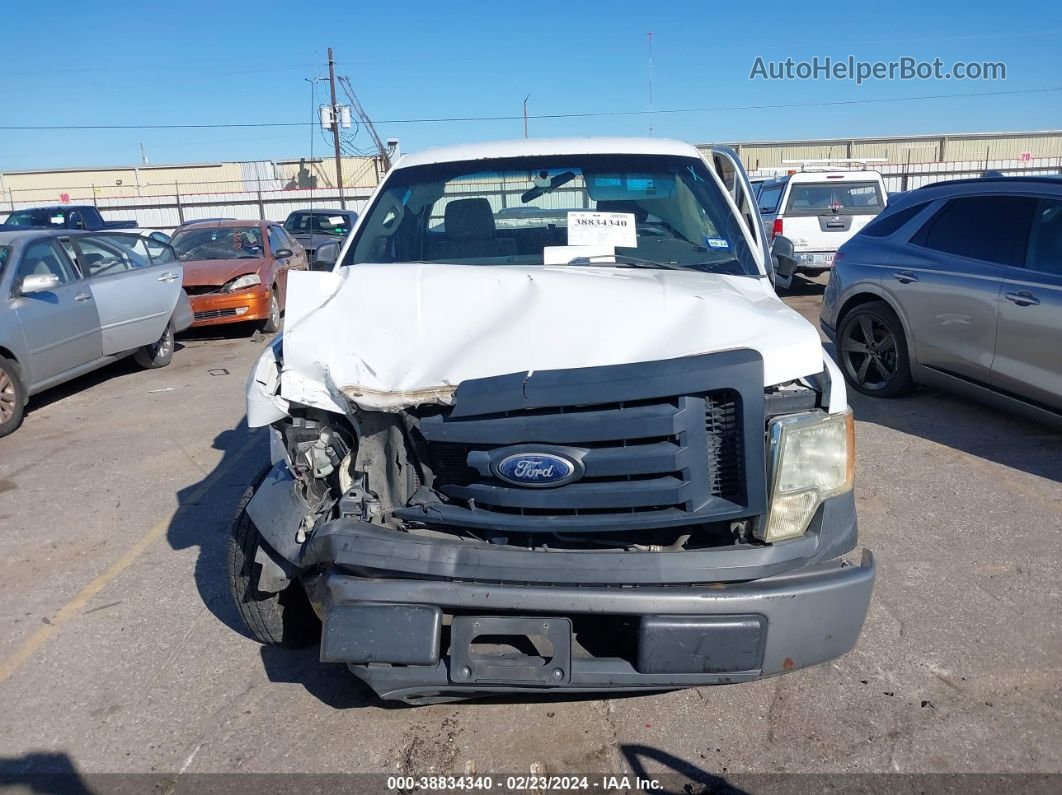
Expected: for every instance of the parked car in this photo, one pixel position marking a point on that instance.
(65, 216)
(72, 302)
(237, 271)
(819, 210)
(958, 285)
(312, 228)
(593, 453)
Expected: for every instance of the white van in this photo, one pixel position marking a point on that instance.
(819, 208)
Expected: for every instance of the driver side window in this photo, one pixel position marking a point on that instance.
(43, 258)
(96, 259)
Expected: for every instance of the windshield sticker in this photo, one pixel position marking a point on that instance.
(337, 220)
(602, 229)
(57, 219)
(716, 242)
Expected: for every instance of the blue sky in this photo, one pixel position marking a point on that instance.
(116, 62)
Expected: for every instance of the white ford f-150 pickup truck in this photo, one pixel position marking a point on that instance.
(547, 426)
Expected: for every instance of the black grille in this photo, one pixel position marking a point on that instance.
(662, 444)
(202, 289)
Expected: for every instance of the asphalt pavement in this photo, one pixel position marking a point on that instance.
(121, 653)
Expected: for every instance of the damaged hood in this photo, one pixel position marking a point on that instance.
(390, 336)
(211, 272)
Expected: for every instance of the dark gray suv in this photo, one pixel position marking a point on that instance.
(957, 285)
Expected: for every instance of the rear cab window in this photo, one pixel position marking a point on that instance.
(840, 198)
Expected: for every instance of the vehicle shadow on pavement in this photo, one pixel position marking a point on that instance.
(670, 768)
(967, 426)
(804, 285)
(42, 772)
(205, 512)
(204, 519)
(330, 683)
(120, 369)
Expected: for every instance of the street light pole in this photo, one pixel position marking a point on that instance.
(335, 128)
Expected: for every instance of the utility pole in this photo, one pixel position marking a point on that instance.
(335, 128)
(525, 114)
(650, 37)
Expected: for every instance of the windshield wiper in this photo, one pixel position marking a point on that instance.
(623, 259)
(731, 267)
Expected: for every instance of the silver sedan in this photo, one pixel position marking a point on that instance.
(957, 285)
(72, 302)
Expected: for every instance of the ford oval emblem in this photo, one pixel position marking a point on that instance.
(536, 469)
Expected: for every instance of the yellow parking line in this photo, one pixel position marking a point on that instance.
(78, 603)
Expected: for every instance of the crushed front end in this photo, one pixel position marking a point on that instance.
(654, 525)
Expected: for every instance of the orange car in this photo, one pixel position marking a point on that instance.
(237, 271)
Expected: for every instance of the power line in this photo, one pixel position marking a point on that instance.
(582, 115)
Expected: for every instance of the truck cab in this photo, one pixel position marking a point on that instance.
(66, 216)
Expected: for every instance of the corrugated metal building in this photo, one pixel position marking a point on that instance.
(907, 149)
(91, 184)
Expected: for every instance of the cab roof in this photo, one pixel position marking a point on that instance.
(536, 147)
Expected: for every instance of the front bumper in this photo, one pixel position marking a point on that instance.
(214, 309)
(693, 635)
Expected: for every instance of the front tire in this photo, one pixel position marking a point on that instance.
(12, 397)
(274, 619)
(158, 354)
(271, 324)
(872, 351)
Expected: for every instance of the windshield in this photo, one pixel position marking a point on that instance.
(646, 209)
(226, 242)
(29, 218)
(325, 223)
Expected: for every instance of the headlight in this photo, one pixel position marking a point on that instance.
(240, 282)
(812, 458)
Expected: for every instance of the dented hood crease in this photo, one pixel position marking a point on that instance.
(389, 336)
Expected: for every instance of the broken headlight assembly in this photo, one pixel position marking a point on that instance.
(811, 457)
(241, 283)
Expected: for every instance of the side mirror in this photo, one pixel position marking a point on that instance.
(39, 283)
(283, 253)
(784, 260)
(324, 258)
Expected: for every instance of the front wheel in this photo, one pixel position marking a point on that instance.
(159, 353)
(872, 350)
(271, 324)
(274, 619)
